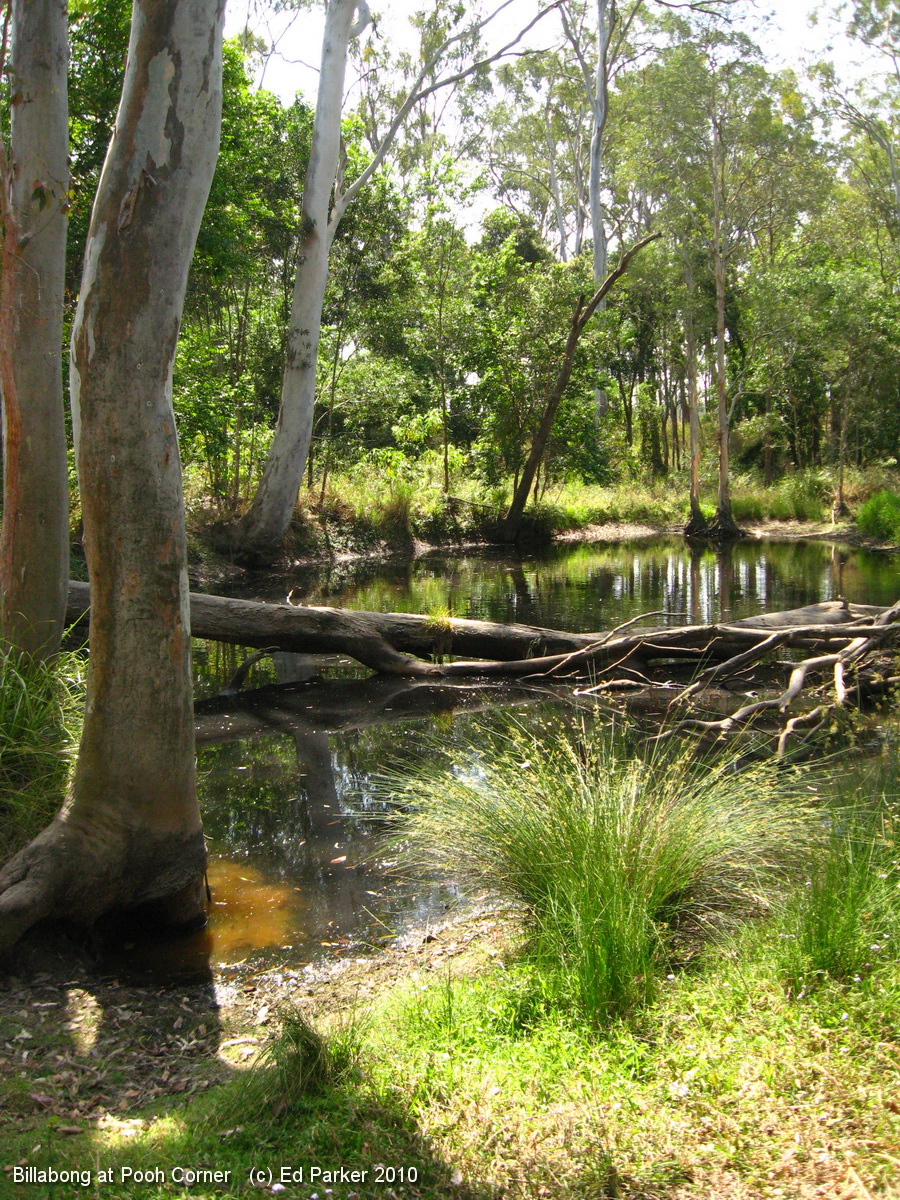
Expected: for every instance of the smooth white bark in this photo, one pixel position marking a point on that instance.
(269, 515)
(260, 533)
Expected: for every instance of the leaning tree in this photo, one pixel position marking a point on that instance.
(129, 831)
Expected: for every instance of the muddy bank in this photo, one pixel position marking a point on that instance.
(92, 1050)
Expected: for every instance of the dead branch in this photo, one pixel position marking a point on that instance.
(847, 652)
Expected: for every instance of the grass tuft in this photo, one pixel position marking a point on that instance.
(40, 721)
(879, 517)
(298, 1063)
(623, 861)
(844, 920)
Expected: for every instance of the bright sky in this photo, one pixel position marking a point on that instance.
(781, 27)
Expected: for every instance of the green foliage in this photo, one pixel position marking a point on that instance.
(40, 724)
(879, 516)
(621, 859)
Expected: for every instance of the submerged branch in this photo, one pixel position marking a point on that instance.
(848, 651)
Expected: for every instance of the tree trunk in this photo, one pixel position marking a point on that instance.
(768, 460)
(724, 528)
(605, 20)
(697, 522)
(129, 832)
(34, 543)
(512, 522)
(259, 536)
(839, 509)
(583, 313)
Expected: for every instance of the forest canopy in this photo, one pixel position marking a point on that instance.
(442, 329)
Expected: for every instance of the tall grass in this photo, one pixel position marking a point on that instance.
(842, 921)
(40, 721)
(845, 918)
(622, 860)
(879, 517)
(800, 496)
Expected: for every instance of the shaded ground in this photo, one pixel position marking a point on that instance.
(88, 1049)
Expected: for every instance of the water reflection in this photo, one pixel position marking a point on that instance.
(588, 587)
(292, 816)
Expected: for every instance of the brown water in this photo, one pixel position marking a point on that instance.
(299, 869)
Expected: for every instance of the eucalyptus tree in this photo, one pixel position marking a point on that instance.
(537, 152)
(129, 832)
(327, 194)
(870, 108)
(720, 142)
(34, 202)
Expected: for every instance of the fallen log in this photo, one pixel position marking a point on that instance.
(850, 645)
(382, 641)
(398, 643)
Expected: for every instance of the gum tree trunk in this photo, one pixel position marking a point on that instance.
(696, 523)
(724, 527)
(260, 534)
(129, 832)
(34, 175)
(258, 538)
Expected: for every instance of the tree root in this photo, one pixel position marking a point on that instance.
(77, 874)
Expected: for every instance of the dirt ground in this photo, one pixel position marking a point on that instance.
(90, 1049)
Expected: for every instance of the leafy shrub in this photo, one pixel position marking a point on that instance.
(879, 517)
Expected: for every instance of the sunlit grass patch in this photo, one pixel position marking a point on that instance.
(725, 1087)
(622, 860)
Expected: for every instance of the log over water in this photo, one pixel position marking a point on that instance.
(395, 643)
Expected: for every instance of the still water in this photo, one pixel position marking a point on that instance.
(298, 870)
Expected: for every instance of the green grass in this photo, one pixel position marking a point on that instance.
(767, 1065)
(40, 721)
(879, 516)
(800, 496)
(729, 1086)
(622, 861)
(845, 918)
(366, 511)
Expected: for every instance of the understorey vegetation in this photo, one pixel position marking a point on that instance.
(680, 998)
(40, 724)
(440, 337)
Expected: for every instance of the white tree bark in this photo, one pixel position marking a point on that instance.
(696, 522)
(725, 526)
(259, 535)
(268, 518)
(600, 109)
(129, 832)
(34, 176)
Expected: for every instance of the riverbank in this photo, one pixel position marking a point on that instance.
(387, 520)
(443, 1062)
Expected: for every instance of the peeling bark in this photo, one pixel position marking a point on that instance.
(129, 831)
